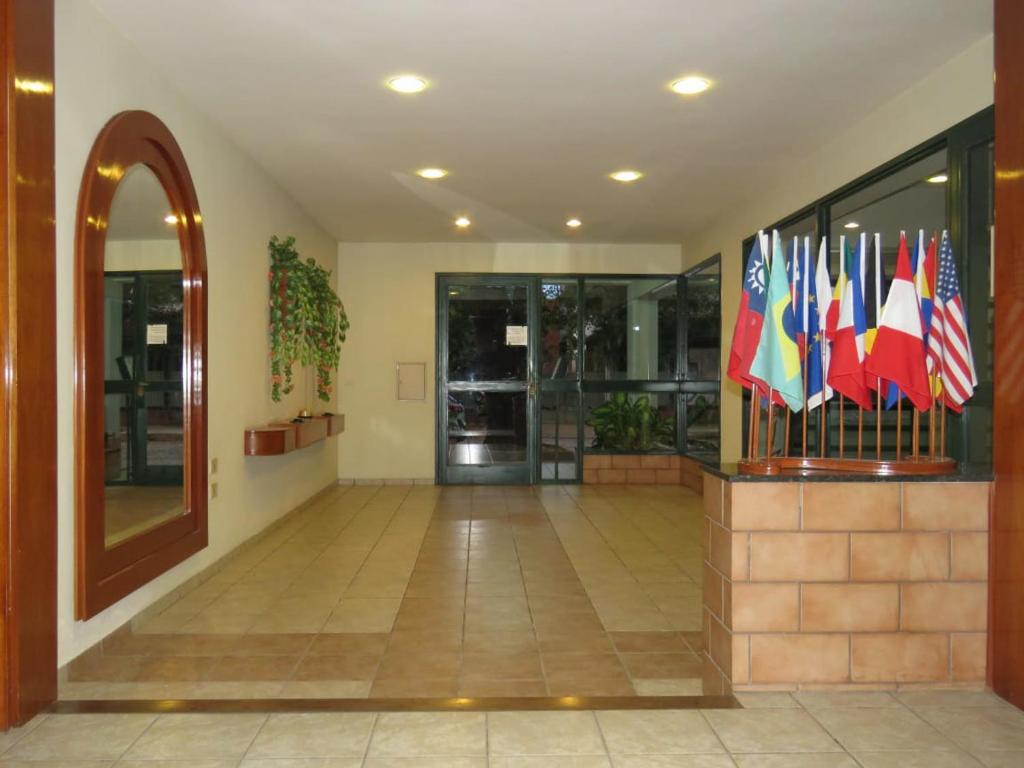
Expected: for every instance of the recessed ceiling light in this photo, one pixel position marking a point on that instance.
(462, 222)
(690, 85)
(574, 223)
(407, 83)
(170, 218)
(432, 173)
(851, 225)
(938, 178)
(626, 176)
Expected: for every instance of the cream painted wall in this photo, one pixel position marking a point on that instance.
(98, 74)
(388, 290)
(955, 91)
(141, 255)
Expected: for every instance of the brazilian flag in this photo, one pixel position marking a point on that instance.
(777, 361)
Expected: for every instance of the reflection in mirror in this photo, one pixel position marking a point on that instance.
(143, 352)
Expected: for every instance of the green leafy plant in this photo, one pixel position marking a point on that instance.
(307, 320)
(622, 425)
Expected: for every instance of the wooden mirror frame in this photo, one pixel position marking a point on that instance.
(104, 576)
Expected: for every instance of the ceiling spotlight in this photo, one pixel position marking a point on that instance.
(574, 223)
(851, 225)
(407, 83)
(626, 176)
(938, 178)
(432, 173)
(170, 218)
(462, 222)
(690, 85)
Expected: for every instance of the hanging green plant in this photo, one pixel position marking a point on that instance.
(307, 320)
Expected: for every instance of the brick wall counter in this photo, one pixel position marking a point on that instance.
(844, 584)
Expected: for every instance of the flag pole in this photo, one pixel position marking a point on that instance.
(842, 425)
(931, 421)
(878, 320)
(755, 415)
(860, 432)
(915, 438)
(803, 356)
(863, 267)
(769, 447)
(899, 428)
(785, 433)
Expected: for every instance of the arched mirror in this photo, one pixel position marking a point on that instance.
(139, 364)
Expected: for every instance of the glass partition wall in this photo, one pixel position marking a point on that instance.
(945, 183)
(616, 364)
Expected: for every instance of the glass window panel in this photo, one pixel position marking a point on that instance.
(558, 343)
(629, 422)
(630, 328)
(703, 323)
(486, 428)
(559, 435)
(486, 324)
(703, 436)
(117, 437)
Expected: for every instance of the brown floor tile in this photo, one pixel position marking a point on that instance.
(342, 643)
(253, 668)
(489, 642)
(497, 665)
(175, 669)
(695, 640)
(272, 645)
(574, 642)
(581, 664)
(351, 666)
(92, 667)
(551, 623)
(414, 688)
(649, 642)
(576, 685)
(429, 664)
(502, 688)
(662, 665)
(415, 641)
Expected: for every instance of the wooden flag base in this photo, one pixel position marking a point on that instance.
(810, 465)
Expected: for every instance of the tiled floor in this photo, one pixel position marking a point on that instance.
(418, 591)
(813, 730)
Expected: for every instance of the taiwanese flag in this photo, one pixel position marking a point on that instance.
(898, 354)
(846, 369)
(747, 333)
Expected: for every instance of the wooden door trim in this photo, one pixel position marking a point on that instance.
(28, 391)
(1006, 568)
(104, 576)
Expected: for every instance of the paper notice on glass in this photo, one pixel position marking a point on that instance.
(156, 333)
(515, 335)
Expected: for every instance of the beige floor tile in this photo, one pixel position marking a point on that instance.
(412, 734)
(1002, 759)
(770, 730)
(252, 668)
(845, 699)
(543, 761)
(881, 729)
(301, 762)
(767, 700)
(62, 764)
(502, 688)
(195, 736)
(924, 698)
(979, 729)
(313, 735)
(819, 760)
(920, 759)
(673, 761)
(543, 733)
(657, 732)
(425, 762)
(364, 615)
(175, 764)
(81, 737)
(672, 687)
(351, 666)
(232, 690)
(414, 688)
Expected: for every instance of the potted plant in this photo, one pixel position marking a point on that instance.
(308, 322)
(622, 425)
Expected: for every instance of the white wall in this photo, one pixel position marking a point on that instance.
(951, 93)
(388, 290)
(97, 75)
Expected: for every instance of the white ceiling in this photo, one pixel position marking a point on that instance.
(535, 101)
(138, 209)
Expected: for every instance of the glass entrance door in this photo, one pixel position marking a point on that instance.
(486, 380)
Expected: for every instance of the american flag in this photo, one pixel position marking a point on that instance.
(949, 347)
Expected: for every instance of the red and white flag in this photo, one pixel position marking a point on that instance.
(898, 354)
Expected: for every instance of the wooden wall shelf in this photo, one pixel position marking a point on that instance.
(275, 439)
